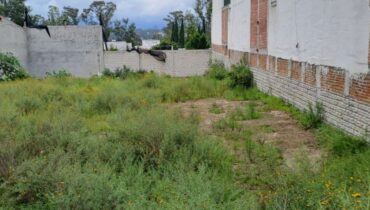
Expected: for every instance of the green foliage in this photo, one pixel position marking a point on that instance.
(13, 9)
(313, 118)
(166, 45)
(197, 41)
(103, 143)
(121, 73)
(59, 74)
(216, 109)
(217, 70)
(241, 76)
(10, 68)
(182, 34)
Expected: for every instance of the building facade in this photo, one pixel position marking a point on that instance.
(304, 51)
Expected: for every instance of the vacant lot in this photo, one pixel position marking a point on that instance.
(154, 142)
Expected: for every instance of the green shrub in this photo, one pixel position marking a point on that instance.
(197, 41)
(241, 76)
(10, 68)
(217, 71)
(314, 117)
(59, 74)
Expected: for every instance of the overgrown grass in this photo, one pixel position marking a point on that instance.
(103, 143)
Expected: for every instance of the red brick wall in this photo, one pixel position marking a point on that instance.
(271, 63)
(262, 62)
(253, 60)
(310, 75)
(296, 70)
(219, 49)
(283, 67)
(259, 19)
(360, 88)
(225, 25)
(254, 25)
(333, 81)
(262, 17)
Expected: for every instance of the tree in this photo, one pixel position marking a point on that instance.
(70, 16)
(203, 8)
(123, 30)
(54, 16)
(99, 10)
(175, 31)
(13, 9)
(182, 34)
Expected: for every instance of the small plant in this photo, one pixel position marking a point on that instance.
(241, 76)
(313, 118)
(216, 109)
(59, 74)
(217, 71)
(251, 113)
(10, 68)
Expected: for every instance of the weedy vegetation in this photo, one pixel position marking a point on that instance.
(112, 143)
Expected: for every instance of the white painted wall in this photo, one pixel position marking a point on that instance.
(329, 32)
(13, 39)
(217, 22)
(181, 63)
(121, 46)
(239, 25)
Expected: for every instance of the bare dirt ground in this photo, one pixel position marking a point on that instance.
(273, 127)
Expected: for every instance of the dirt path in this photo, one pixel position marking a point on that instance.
(273, 127)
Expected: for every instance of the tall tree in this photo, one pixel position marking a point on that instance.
(70, 16)
(203, 9)
(99, 10)
(175, 31)
(54, 17)
(13, 9)
(182, 34)
(123, 30)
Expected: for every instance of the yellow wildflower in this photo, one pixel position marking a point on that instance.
(356, 195)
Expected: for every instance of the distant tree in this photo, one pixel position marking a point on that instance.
(203, 9)
(123, 30)
(13, 9)
(132, 36)
(99, 10)
(182, 34)
(170, 23)
(37, 20)
(54, 17)
(70, 16)
(175, 31)
(197, 41)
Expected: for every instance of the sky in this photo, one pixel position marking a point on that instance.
(145, 13)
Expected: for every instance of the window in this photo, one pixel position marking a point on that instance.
(226, 2)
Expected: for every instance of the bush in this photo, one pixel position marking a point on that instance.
(197, 41)
(10, 68)
(241, 76)
(313, 118)
(165, 45)
(120, 73)
(59, 74)
(217, 71)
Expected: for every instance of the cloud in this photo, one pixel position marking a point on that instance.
(143, 12)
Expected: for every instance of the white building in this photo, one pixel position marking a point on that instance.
(303, 51)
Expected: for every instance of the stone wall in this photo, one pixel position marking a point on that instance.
(180, 63)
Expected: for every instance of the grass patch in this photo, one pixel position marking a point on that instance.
(109, 143)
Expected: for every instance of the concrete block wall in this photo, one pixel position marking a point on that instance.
(181, 63)
(13, 39)
(77, 49)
